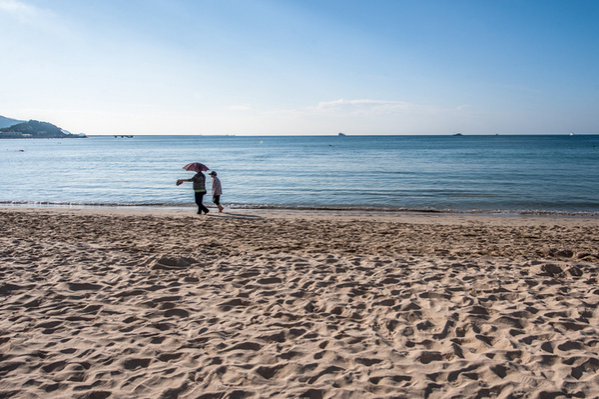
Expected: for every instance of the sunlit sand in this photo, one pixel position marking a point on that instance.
(99, 303)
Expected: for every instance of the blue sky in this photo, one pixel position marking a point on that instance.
(266, 67)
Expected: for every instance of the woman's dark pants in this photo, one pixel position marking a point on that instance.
(199, 202)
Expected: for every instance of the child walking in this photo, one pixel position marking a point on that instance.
(217, 190)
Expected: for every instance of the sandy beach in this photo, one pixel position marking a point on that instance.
(112, 303)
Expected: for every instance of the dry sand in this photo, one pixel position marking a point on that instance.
(139, 304)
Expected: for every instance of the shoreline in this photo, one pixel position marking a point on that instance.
(128, 303)
(469, 234)
(360, 214)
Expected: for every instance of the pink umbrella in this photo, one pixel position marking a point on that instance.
(196, 167)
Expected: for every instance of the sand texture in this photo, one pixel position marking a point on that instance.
(256, 305)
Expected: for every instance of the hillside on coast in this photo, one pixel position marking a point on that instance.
(7, 122)
(35, 129)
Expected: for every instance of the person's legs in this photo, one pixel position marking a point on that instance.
(216, 200)
(199, 202)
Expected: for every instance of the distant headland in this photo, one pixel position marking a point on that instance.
(34, 130)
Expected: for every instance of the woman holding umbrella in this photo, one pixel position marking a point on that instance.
(199, 184)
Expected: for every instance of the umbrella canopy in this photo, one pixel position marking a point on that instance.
(196, 167)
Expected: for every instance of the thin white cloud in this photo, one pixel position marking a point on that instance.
(369, 107)
(239, 107)
(31, 16)
(369, 116)
(13, 6)
(18, 9)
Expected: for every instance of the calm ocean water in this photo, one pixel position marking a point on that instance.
(490, 174)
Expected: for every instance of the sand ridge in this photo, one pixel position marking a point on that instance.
(175, 306)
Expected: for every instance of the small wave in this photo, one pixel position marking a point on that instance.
(498, 212)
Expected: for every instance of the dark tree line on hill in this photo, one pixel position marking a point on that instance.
(34, 129)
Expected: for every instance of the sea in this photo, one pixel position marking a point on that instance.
(481, 174)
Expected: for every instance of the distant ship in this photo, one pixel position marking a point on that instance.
(123, 136)
(341, 134)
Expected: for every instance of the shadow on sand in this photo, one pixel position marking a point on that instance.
(236, 216)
